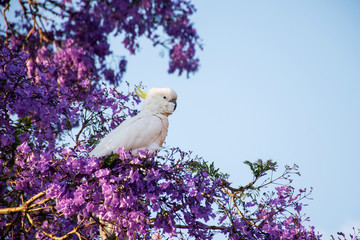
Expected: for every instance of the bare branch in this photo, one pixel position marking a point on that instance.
(25, 207)
(7, 22)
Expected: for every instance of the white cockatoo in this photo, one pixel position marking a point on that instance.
(147, 130)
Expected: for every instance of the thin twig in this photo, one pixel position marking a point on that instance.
(7, 23)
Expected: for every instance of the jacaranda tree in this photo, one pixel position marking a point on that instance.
(58, 97)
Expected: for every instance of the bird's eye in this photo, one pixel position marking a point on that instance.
(164, 97)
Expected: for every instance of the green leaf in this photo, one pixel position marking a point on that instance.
(260, 168)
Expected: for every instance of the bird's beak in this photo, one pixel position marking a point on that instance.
(174, 102)
(140, 93)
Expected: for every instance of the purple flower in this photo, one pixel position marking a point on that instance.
(102, 173)
(24, 148)
(165, 185)
(193, 192)
(298, 207)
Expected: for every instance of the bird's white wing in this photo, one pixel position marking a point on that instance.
(134, 133)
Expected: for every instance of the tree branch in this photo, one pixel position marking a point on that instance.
(74, 231)
(241, 214)
(25, 207)
(6, 21)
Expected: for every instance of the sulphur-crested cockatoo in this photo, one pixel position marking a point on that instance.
(147, 130)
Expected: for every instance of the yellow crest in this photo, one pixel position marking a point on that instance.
(140, 93)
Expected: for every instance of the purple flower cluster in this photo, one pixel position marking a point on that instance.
(141, 196)
(279, 215)
(80, 30)
(33, 106)
(257, 213)
(36, 115)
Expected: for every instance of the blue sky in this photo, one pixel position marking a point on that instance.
(278, 80)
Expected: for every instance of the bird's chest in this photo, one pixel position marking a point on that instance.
(164, 130)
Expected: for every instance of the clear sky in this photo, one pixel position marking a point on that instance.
(278, 80)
